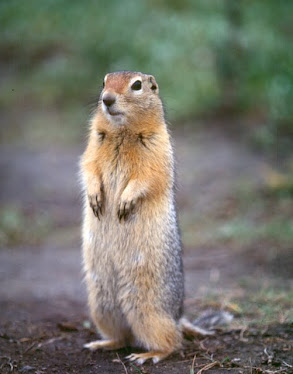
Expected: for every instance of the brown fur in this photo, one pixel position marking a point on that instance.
(131, 243)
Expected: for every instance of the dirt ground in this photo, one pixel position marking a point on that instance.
(44, 319)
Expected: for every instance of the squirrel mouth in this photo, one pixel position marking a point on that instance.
(113, 113)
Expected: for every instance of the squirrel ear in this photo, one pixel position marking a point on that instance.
(153, 84)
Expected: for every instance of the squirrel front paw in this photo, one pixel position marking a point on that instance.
(96, 202)
(126, 208)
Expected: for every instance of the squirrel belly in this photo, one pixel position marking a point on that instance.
(122, 261)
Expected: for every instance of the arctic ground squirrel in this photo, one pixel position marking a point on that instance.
(131, 243)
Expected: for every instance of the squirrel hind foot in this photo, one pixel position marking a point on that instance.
(104, 344)
(140, 358)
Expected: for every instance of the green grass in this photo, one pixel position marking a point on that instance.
(267, 306)
(19, 228)
(255, 303)
(257, 216)
(204, 55)
(239, 232)
(39, 129)
(277, 229)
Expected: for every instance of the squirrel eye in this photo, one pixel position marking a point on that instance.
(136, 86)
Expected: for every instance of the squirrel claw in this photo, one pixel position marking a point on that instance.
(125, 210)
(96, 212)
(135, 358)
(140, 358)
(96, 205)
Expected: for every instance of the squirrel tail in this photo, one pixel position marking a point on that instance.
(205, 324)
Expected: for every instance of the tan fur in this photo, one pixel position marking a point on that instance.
(131, 243)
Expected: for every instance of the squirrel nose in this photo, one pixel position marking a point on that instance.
(108, 100)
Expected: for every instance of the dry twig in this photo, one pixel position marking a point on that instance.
(269, 356)
(208, 366)
(122, 363)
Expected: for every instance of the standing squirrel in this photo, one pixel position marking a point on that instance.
(131, 243)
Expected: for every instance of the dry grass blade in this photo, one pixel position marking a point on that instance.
(29, 348)
(208, 366)
(34, 346)
(7, 363)
(50, 341)
(269, 356)
(192, 366)
(124, 367)
(286, 364)
(241, 336)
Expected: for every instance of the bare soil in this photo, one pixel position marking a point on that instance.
(44, 319)
(52, 343)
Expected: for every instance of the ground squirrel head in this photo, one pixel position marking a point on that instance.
(129, 98)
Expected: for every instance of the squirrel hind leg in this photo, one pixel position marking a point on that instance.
(140, 358)
(104, 344)
(157, 333)
(189, 329)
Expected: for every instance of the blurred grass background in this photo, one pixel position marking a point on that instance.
(221, 56)
(223, 64)
(213, 59)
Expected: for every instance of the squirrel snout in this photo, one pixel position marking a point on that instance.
(108, 99)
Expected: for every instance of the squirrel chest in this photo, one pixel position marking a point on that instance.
(121, 156)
